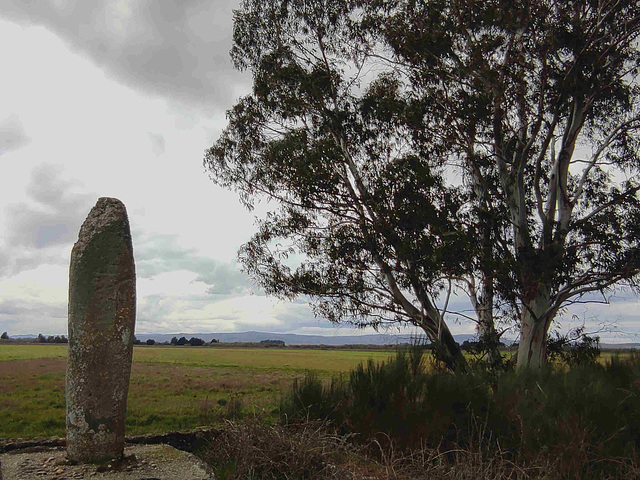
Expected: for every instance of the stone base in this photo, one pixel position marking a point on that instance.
(148, 462)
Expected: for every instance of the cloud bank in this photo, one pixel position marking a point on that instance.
(175, 50)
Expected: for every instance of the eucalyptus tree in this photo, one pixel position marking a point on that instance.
(363, 224)
(408, 145)
(537, 100)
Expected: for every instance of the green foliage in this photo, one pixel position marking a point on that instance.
(585, 418)
(573, 348)
(373, 221)
(51, 339)
(308, 397)
(394, 397)
(515, 97)
(487, 354)
(407, 145)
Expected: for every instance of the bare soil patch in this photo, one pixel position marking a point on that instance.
(34, 366)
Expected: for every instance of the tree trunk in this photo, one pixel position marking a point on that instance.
(532, 350)
(535, 322)
(488, 335)
(448, 350)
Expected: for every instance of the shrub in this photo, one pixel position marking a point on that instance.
(583, 421)
(574, 348)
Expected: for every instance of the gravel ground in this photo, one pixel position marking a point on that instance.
(141, 462)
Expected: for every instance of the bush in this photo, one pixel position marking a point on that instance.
(583, 421)
(574, 348)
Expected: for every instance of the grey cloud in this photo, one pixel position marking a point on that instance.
(12, 134)
(152, 308)
(24, 260)
(37, 230)
(224, 278)
(57, 215)
(21, 316)
(162, 253)
(295, 316)
(177, 50)
(15, 308)
(157, 143)
(5, 260)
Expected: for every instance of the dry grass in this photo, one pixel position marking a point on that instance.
(303, 450)
(313, 450)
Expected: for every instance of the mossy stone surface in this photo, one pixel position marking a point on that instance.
(102, 311)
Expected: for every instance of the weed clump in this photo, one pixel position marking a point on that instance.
(306, 450)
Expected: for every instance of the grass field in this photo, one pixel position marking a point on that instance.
(171, 387)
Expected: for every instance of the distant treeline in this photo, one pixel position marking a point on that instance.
(39, 339)
(51, 339)
(199, 342)
(193, 341)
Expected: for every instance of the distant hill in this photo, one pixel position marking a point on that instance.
(619, 346)
(292, 339)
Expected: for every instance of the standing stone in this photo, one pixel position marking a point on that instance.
(102, 315)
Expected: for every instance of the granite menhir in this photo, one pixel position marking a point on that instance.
(102, 315)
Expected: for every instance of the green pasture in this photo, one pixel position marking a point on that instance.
(322, 361)
(171, 388)
(31, 351)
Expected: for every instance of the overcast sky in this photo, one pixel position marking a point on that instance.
(120, 98)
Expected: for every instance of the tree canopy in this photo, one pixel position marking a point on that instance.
(414, 147)
(539, 103)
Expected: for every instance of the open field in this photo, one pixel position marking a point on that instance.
(171, 387)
